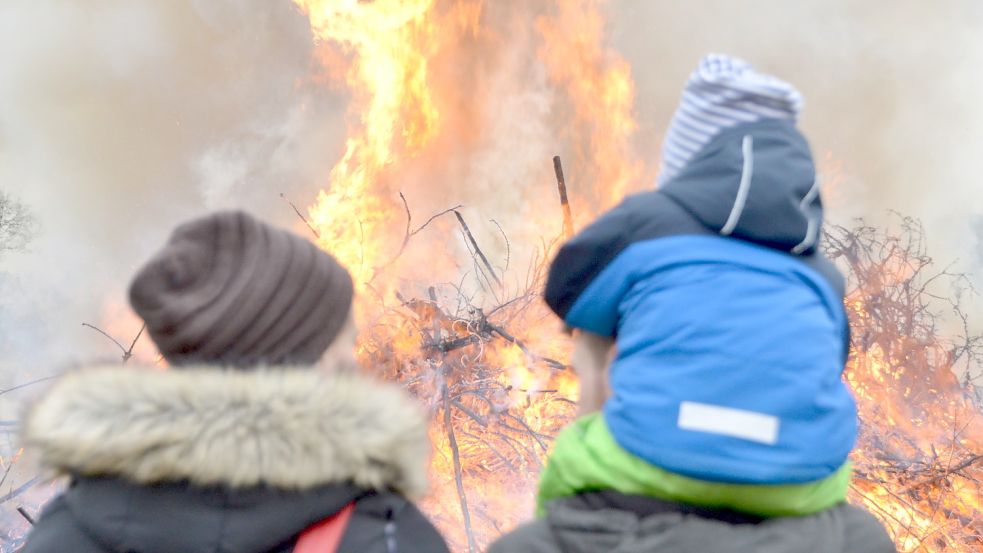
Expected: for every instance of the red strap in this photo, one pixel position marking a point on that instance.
(325, 536)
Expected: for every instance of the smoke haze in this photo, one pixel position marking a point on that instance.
(890, 89)
(119, 118)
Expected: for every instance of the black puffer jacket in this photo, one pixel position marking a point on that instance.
(209, 461)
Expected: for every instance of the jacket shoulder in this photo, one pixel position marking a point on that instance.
(532, 537)
(385, 522)
(639, 217)
(57, 529)
(863, 532)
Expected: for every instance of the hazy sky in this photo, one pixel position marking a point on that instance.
(890, 88)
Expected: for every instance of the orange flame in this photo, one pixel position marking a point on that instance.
(389, 43)
(602, 94)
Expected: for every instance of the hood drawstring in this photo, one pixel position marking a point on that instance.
(812, 231)
(747, 171)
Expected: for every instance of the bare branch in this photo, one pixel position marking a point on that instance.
(477, 250)
(20, 489)
(27, 516)
(301, 215)
(458, 473)
(30, 383)
(408, 234)
(127, 352)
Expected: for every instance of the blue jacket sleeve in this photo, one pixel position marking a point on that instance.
(592, 272)
(570, 286)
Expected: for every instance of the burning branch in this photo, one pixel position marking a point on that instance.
(461, 359)
(476, 249)
(564, 202)
(301, 215)
(918, 464)
(458, 474)
(409, 234)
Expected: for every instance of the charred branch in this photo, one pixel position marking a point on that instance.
(27, 516)
(561, 186)
(301, 215)
(476, 249)
(408, 234)
(458, 472)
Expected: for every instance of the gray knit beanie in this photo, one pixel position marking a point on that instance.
(230, 290)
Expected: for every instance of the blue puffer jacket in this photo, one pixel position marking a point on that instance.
(730, 327)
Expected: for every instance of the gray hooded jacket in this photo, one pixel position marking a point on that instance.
(608, 522)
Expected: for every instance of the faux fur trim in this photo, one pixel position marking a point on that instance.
(286, 428)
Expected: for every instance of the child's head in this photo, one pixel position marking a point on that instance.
(723, 92)
(230, 290)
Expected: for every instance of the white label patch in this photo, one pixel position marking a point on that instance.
(737, 423)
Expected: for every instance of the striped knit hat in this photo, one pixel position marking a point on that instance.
(723, 92)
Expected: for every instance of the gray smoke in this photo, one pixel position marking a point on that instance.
(119, 118)
(890, 92)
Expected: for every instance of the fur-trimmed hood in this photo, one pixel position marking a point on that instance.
(289, 429)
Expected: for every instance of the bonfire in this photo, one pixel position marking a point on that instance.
(919, 462)
(449, 284)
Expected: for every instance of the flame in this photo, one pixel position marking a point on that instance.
(921, 440)
(602, 94)
(389, 44)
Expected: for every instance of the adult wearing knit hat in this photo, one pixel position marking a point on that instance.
(231, 290)
(209, 458)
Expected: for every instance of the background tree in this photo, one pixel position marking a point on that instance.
(17, 224)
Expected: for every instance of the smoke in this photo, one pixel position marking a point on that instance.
(891, 109)
(890, 88)
(119, 118)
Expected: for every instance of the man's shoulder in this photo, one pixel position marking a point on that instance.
(375, 511)
(531, 537)
(56, 529)
(863, 532)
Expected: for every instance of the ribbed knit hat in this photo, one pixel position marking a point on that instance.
(721, 93)
(230, 290)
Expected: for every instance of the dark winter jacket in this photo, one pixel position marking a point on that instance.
(730, 326)
(608, 522)
(201, 460)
